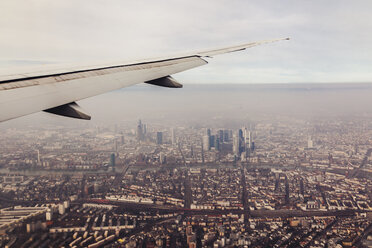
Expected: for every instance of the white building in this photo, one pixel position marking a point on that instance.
(61, 209)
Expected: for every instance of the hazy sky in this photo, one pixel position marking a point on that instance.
(214, 105)
(331, 40)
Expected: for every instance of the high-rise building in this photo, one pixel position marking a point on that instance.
(209, 132)
(112, 159)
(38, 157)
(173, 136)
(240, 133)
(226, 135)
(144, 129)
(211, 140)
(217, 144)
(140, 135)
(206, 143)
(236, 144)
(220, 135)
(247, 138)
(122, 139)
(159, 138)
(242, 146)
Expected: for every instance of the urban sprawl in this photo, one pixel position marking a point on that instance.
(282, 183)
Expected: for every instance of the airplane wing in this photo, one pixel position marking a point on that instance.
(57, 90)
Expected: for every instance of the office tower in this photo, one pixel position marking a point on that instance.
(139, 131)
(122, 139)
(226, 136)
(209, 132)
(241, 141)
(220, 135)
(173, 136)
(217, 144)
(211, 140)
(144, 129)
(240, 133)
(247, 138)
(38, 157)
(159, 138)
(112, 159)
(236, 144)
(206, 143)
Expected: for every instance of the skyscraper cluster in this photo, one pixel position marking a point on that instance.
(243, 143)
(141, 131)
(210, 140)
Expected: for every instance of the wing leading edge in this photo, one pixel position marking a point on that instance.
(57, 90)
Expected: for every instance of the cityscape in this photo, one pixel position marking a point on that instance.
(268, 182)
(185, 124)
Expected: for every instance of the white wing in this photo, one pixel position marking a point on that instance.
(56, 90)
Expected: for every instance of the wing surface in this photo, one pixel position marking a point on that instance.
(56, 90)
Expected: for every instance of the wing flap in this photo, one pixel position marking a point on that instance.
(72, 110)
(168, 82)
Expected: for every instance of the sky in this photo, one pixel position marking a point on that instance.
(222, 106)
(331, 41)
